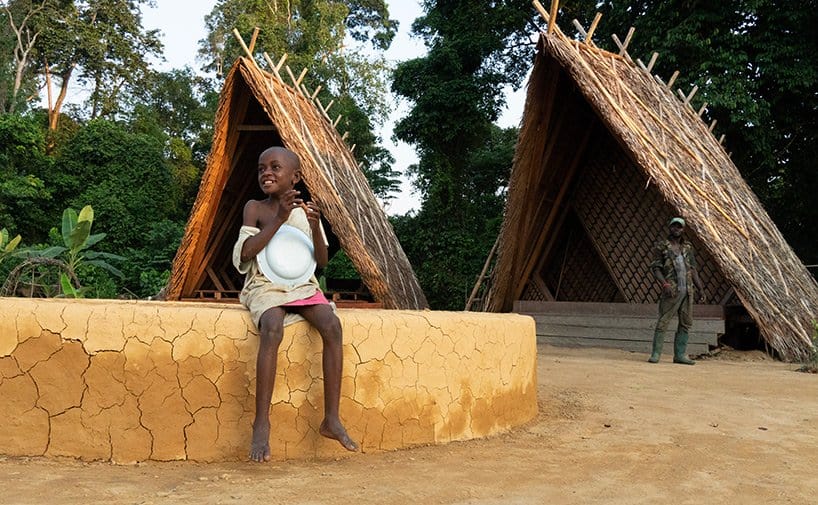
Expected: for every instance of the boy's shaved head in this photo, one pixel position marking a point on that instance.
(289, 156)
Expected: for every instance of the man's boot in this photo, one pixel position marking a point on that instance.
(680, 348)
(658, 342)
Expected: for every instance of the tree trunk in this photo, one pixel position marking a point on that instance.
(54, 111)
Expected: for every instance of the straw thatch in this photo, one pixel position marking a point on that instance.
(257, 110)
(595, 120)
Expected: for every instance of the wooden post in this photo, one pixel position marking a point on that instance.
(713, 125)
(244, 46)
(624, 49)
(292, 76)
(253, 39)
(281, 62)
(555, 4)
(672, 79)
(581, 31)
(482, 274)
(690, 96)
(592, 29)
(301, 77)
(272, 67)
(541, 10)
(652, 61)
(701, 111)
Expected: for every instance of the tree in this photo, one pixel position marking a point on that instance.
(464, 160)
(103, 41)
(315, 35)
(24, 37)
(756, 65)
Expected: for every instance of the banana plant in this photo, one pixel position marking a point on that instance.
(78, 240)
(7, 247)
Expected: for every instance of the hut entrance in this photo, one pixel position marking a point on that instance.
(213, 277)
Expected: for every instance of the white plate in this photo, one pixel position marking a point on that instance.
(288, 258)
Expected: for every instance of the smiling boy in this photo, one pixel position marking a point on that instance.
(272, 305)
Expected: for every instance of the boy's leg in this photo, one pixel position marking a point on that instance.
(328, 325)
(271, 331)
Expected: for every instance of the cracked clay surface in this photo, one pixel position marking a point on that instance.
(132, 381)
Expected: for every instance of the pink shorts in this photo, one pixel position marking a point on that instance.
(317, 299)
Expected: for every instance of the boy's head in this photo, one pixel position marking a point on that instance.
(279, 170)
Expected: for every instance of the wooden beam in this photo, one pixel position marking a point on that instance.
(281, 62)
(592, 29)
(712, 125)
(579, 28)
(244, 47)
(214, 278)
(672, 79)
(555, 4)
(652, 61)
(552, 213)
(690, 96)
(301, 78)
(701, 110)
(252, 45)
(272, 65)
(482, 274)
(256, 128)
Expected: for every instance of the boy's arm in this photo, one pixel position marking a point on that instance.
(269, 225)
(314, 218)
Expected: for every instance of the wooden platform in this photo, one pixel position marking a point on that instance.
(617, 325)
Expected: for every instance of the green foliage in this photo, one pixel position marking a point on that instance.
(24, 197)
(123, 175)
(340, 267)
(475, 51)
(756, 65)
(448, 252)
(149, 262)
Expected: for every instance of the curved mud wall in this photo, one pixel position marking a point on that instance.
(129, 381)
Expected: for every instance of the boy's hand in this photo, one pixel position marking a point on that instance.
(313, 214)
(287, 203)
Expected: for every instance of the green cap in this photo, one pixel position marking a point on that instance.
(677, 220)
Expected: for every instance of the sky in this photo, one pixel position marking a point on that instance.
(181, 40)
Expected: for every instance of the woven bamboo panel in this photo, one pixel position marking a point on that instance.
(574, 272)
(625, 216)
(532, 292)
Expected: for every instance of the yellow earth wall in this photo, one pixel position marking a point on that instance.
(136, 380)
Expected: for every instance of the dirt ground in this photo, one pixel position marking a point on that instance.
(736, 428)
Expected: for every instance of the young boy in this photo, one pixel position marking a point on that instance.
(278, 172)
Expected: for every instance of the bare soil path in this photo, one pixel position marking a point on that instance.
(612, 429)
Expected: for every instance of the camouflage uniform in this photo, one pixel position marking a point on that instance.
(681, 301)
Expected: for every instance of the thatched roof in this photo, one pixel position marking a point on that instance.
(578, 95)
(257, 110)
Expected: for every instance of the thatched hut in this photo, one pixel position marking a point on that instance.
(257, 110)
(606, 155)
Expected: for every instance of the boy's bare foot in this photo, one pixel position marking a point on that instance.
(260, 447)
(336, 431)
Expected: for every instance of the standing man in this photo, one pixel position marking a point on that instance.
(674, 266)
